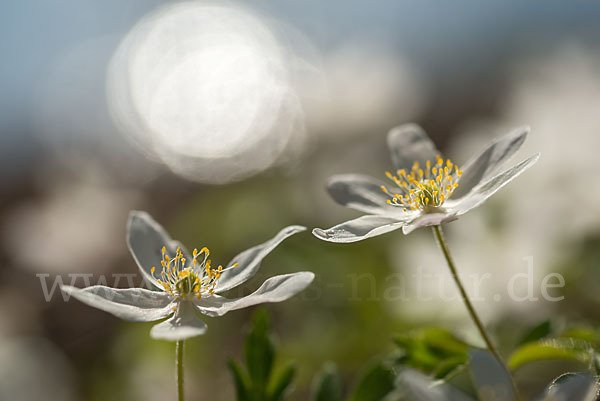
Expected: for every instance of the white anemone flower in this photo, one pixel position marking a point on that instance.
(186, 283)
(426, 190)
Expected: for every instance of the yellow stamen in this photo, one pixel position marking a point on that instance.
(180, 279)
(423, 188)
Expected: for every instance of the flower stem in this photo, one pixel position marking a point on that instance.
(179, 357)
(437, 230)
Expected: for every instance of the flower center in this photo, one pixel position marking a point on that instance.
(182, 278)
(423, 189)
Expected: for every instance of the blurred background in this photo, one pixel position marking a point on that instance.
(224, 119)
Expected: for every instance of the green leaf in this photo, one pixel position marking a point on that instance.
(443, 341)
(449, 367)
(596, 364)
(375, 384)
(327, 385)
(415, 386)
(431, 349)
(557, 348)
(240, 380)
(490, 378)
(584, 333)
(281, 382)
(260, 352)
(542, 330)
(438, 340)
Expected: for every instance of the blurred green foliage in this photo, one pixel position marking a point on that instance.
(549, 341)
(432, 350)
(258, 381)
(424, 368)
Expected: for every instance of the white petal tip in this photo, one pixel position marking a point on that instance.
(410, 130)
(519, 134)
(138, 214)
(293, 229)
(175, 336)
(407, 127)
(324, 235)
(67, 289)
(135, 216)
(140, 217)
(529, 162)
(307, 277)
(183, 325)
(320, 233)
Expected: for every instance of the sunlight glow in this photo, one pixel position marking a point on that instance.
(205, 89)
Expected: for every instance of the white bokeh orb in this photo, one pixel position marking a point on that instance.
(205, 89)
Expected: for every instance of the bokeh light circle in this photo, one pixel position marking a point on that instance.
(206, 90)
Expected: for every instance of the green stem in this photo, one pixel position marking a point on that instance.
(437, 230)
(179, 358)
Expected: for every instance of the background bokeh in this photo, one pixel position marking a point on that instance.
(224, 120)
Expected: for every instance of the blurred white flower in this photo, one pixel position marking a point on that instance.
(34, 369)
(560, 95)
(359, 84)
(187, 283)
(72, 229)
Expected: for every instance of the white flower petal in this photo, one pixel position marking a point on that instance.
(183, 324)
(274, 289)
(491, 379)
(489, 162)
(145, 238)
(409, 143)
(483, 191)
(134, 304)
(359, 192)
(249, 260)
(361, 228)
(428, 219)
